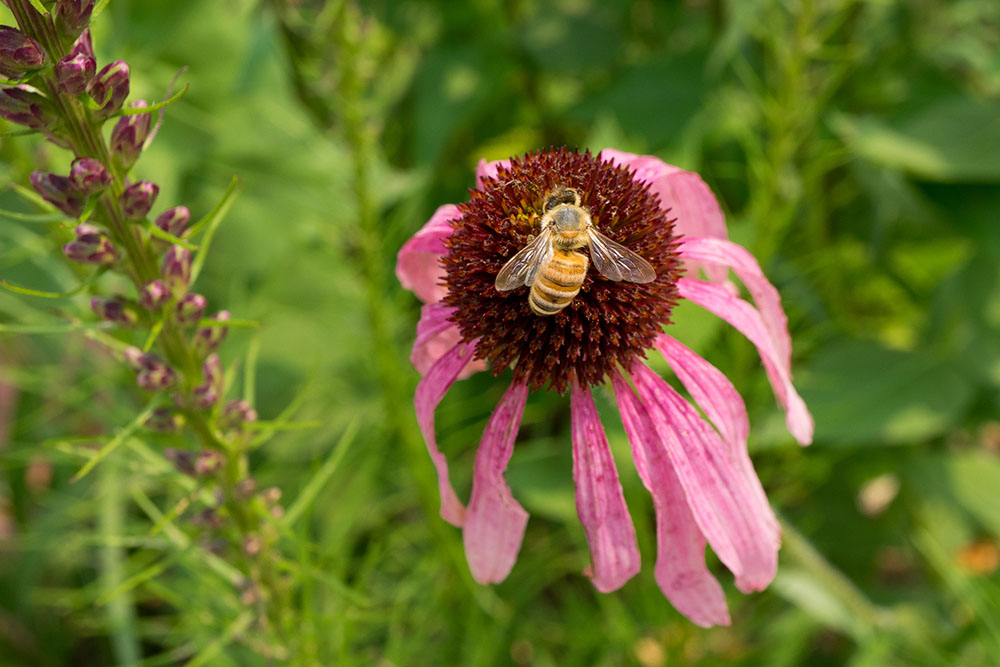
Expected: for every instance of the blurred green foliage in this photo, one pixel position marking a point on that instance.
(854, 145)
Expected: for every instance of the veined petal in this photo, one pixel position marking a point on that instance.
(747, 320)
(680, 546)
(720, 252)
(430, 391)
(417, 265)
(741, 534)
(686, 196)
(723, 405)
(489, 169)
(495, 522)
(614, 552)
(435, 336)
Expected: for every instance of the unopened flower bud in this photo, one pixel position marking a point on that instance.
(252, 545)
(72, 16)
(207, 393)
(155, 293)
(90, 246)
(182, 459)
(207, 339)
(129, 135)
(24, 106)
(208, 462)
(134, 358)
(58, 191)
(236, 413)
(89, 176)
(74, 72)
(83, 46)
(245, 488)
(115, 309)
(109, 89)
(164, 420)
(177, 269)
(138, 198)
(19, 53)
(174, 220)
(190, 308)
(155, 374)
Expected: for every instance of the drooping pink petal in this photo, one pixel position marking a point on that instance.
(686, 196)
(680, 546)
(430, 391)
(614, 552)
(489, 170)
(747, 320)
(417, 266)
(741, 535)
(722, 253)
(495, 522)
(723, 405)
(435, 336)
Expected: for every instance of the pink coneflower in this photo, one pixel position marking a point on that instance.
(703, 484)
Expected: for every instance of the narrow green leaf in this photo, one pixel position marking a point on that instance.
(55, 295)
(206, 655)
(98, 8)
(37, 4)
(17, 133)
(135, 111)
(283, 426)
(240, 324)
(115, 442)
(211, 223)
(53, 328)
(320, 478)
(167, 236)
(154, 570)
(154, 333)
(33, 197)
(286, 414)
(250, 373)
(32, 217)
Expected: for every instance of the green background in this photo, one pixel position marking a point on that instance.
(855, 147)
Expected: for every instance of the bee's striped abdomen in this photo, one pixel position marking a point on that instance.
(557, 282)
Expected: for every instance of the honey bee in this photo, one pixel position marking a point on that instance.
(550, 264)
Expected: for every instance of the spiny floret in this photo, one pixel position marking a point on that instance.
(608, 323)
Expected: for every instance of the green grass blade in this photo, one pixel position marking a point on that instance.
(211, 223)
(321, 477)
(116, 441)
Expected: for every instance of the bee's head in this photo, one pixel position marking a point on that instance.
(560, 195)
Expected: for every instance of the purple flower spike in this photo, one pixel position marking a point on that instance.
(58, 191)
(110, 88)
(138, 198)
(115, 309)
(74, 72)
(177, 269)
(155, 374)
(207, 339)
(90, 246)
(207, 393)
(190, 308)
(236, 413)
(89, 176)
(24, 106)
(129, 135)
(155, 293)
(72, 16)
(19, 53)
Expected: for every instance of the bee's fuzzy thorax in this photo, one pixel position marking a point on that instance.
(608, 323)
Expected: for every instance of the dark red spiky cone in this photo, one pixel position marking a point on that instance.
(609, 323)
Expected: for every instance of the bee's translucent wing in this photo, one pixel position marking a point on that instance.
(523, 267)
(616, 262)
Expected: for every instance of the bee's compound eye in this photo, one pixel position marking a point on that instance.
(570, 196)
(551, 201)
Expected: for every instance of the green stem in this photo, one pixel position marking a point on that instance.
(119, 612)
